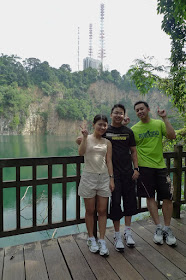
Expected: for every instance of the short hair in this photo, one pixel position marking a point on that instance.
(100, 117)
(118, 106)
(143, 102)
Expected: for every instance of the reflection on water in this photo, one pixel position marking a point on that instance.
(14, 146)
(39, 146)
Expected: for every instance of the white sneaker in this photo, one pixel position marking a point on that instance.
(93, 245)
(103, 250)
(118, 243)
(158, 235)
(129, 240)
(169, 237)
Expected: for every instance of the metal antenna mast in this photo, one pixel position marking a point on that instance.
(102, 53)
(90, 53)
(78, 48)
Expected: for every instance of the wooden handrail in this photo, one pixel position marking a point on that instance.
(177, 168)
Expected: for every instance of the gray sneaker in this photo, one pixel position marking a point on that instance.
(93, 245)
(118, 243)
(158, 235)
(103, 250)
(169, 237)
(129, 240)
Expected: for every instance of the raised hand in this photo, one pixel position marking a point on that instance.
(84, 130)
(126, 120)
(162, 113)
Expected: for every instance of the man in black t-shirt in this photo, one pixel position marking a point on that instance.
(123, 155)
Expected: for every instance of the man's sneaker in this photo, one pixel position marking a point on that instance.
(93, 245)
(158, 235)
(128, 237)
(118, 243)
(103, 250)
(169, 237)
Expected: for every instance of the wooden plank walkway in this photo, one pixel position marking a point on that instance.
(68, 258)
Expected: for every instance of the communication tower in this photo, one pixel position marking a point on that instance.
(78, 48)
(90, 53)
(102, 53)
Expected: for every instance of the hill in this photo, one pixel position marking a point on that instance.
(36, 98)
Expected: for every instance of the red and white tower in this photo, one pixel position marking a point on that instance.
(102, 52)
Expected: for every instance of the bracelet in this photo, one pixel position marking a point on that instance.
(111, 176)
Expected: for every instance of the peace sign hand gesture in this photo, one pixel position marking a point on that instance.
(84, 130)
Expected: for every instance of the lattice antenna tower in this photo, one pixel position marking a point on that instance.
(102, 52)
(90, 51)
(78, 48)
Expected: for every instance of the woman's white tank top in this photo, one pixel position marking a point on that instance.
(95, 155)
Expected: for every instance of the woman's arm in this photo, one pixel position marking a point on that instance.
(83, 144)
(109, 165)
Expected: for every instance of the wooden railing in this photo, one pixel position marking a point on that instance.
(176, 164)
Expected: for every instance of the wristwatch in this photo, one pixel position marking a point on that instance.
(111, 176)
(136, 168)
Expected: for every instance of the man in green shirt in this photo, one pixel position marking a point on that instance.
(153, 173)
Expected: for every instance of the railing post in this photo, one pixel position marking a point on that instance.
(177, 176)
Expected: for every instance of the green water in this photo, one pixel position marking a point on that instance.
(16, 146)
(39, 146)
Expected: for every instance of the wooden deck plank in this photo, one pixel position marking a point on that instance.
(55, 263)
(1, 262)
(119, 262)
(69, 258)
(176, 223)
(34, 262)
(14, 263)
(141, 264)
(164, 257)
(77, 264)
(99, 265)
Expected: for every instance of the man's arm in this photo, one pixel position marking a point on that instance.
(170, 132)
(78, 140)
(135, 162)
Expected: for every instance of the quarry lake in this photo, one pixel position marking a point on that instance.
(19, 146)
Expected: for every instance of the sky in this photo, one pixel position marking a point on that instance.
(48, 30)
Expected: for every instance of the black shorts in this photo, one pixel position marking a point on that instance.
(153, 180)
(124, 188)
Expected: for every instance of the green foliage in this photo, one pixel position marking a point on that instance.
(11, 70)
(143, 75)
(180, 139)
(14, 104)
(174, 24)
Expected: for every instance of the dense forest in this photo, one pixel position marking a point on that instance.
(19, 78)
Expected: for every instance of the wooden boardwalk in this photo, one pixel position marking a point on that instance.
(69, 258)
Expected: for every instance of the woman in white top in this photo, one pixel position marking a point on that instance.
(97, 181)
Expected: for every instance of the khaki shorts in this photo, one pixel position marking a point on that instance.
(92, 184)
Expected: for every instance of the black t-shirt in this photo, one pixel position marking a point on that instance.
(122, 138)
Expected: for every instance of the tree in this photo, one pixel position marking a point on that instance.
(66, 67)
(143, 73)
(174, 24)
(11, 70)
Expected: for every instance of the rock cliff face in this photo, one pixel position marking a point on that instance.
(43, 117)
